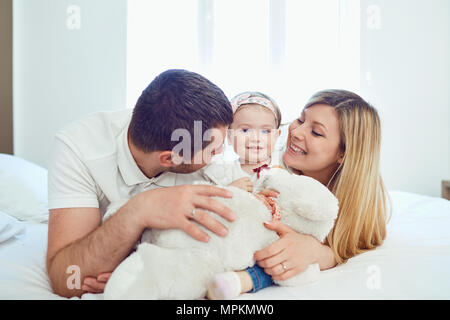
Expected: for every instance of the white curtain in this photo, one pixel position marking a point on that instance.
(288, 49)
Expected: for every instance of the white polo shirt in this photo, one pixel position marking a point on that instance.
(91, 165)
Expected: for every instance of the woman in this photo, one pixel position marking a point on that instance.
(336, 141)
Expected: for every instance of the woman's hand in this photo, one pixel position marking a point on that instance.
(294, 250)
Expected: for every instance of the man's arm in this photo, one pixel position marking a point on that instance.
(76, 238)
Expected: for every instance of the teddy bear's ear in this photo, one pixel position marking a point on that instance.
(326, 209)
(302, 195)
(312, 200)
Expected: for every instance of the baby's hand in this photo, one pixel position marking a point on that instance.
(243, 183)
(266, 193)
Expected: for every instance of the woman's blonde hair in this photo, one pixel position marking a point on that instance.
(357, 183)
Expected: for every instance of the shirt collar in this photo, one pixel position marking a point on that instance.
(130, 171)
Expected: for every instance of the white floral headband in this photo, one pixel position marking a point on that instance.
(247, 98)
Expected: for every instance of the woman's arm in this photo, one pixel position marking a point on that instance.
(295, 251)
(325, 256)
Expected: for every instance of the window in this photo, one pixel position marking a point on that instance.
(288, 49)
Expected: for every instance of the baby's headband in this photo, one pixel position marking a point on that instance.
(247, 98)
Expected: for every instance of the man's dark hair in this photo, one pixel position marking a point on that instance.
(174, 100)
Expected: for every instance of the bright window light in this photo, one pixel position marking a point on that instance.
(288, 49)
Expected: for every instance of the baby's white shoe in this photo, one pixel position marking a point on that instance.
(224, 286)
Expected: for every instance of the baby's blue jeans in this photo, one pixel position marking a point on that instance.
(260, 279)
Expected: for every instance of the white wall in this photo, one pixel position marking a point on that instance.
(405, 74)
(69, 61)
(64, 70)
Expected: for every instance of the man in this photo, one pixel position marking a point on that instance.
(128, 157)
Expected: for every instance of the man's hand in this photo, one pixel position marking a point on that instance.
(243, 183)
(172, 208)
(96, 285)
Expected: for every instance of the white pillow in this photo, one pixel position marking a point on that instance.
(23, 189)
(33, 175)
(9, 227)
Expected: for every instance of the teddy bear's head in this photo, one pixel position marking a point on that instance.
(306, 204)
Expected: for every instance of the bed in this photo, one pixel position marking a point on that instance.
(413, 262)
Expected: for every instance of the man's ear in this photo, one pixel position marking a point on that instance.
(166, 159)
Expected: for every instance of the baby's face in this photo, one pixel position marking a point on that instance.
(253, 133)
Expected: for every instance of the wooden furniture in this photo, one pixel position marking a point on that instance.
(446, 189)
(6, 80)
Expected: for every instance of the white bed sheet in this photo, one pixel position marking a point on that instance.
(22, 266)
(413, 263)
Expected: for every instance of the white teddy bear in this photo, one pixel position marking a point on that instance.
(169, 264)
